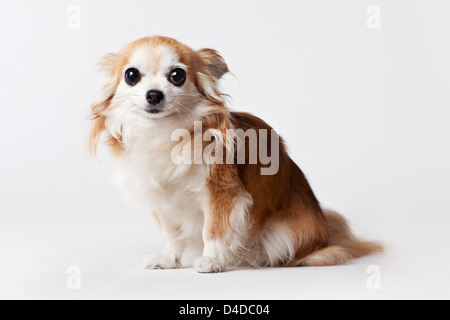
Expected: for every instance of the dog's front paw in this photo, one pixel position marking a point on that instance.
(161, 262)
(208, 265)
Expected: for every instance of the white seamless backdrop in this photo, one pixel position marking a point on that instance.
(358, 89)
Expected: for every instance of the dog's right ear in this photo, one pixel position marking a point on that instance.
(108, 66)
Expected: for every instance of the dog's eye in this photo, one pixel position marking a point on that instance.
(177, 76)
(132, 76)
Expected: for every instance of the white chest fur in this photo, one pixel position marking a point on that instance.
(145, 170)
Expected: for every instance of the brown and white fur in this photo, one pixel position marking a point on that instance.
(237, 215)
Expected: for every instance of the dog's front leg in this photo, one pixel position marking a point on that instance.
(225, 221)
(214, 257)
(216, 252)
(171, 255)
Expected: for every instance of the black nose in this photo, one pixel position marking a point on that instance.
(154, 97)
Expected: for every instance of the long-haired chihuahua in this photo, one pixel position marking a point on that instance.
(222, 202)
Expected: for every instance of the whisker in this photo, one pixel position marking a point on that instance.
(182, 105)
(122, 115)
(128, 95)
(178, 111)
(188, 95)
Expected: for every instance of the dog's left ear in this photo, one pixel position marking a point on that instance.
(212, 68)
(214, 62)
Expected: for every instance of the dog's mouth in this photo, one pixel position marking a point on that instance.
(154, 110)
(158, 111)
(163, 109)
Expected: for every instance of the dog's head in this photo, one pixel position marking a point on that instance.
(157, 77)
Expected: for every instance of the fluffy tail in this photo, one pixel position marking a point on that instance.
(342, 246)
